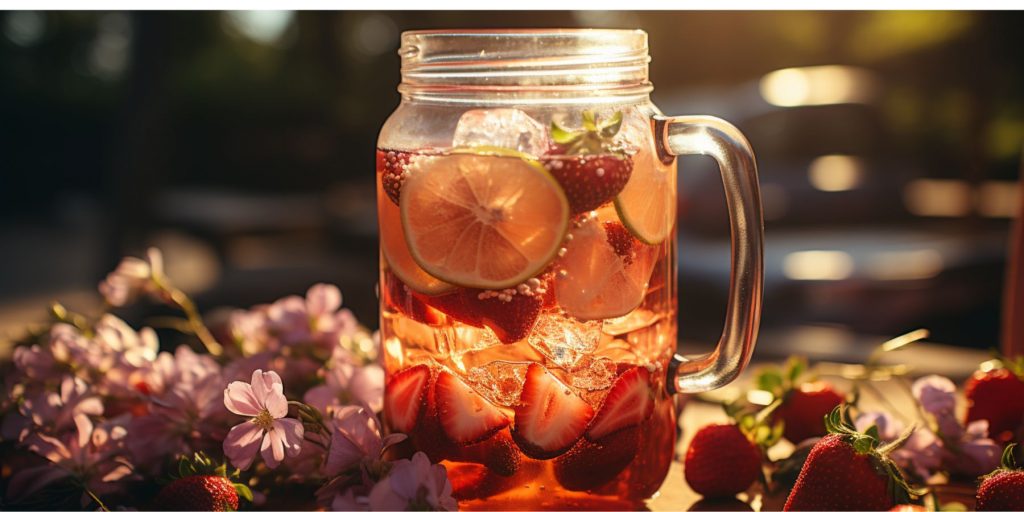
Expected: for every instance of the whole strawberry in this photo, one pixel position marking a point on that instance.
(848, 470)
(721, 461)
(803, 408)
(591, 168)
(202, 485)
(997, 396)
(804, 400)
(1003, 489)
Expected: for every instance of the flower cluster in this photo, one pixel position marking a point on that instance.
(941, 443)
(92, 409)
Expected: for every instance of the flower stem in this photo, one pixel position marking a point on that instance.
(178, 298)
(96, 499)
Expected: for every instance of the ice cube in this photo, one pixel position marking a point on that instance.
(563, 340)
(500, 382)
(465, 338)
(593, 373)
(507, 128)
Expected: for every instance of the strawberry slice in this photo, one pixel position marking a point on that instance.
(407, 302)
(589, 181)
(498, 453)
(428, 436)
(405, 396)
(456, 306)
(511, 320)
(550, 418)
(590, 464)
(510, 313)
(628, 403)
(465, 416)
(391, 165)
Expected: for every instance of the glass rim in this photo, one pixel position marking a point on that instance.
(489, 60)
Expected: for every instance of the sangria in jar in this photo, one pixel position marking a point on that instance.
(526, 192)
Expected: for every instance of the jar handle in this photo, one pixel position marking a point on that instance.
(704, 135)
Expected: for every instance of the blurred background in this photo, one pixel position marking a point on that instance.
(241, 143)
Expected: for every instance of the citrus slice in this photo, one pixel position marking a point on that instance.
(482, 221)
(396, 252)
(647, 204)
(595, 282)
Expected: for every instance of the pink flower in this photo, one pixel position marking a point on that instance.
(355, 438)
(36, 362)
(350, 500)
(974, 453)
(250, 330)
(184, 413)
(133, 277)
(92, 453)
(317, 318)
(269, 431)
(347, 383)
(414, 485)
(57, 412)
(921, 454)
(937, 396)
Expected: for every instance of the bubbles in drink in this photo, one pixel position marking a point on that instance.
(593, 373)
(507, 128)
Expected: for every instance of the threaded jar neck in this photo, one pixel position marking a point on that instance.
(536, 65)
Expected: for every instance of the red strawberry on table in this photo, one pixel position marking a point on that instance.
(804, 401)
(202, 485)
(629, 402)
(405, 397)
(1003, 489)
(721, 461)
(804, 408)
(997, 396)
(550, 417)
(391, 165)
(465, 416)
(591, 168)
(849, 470)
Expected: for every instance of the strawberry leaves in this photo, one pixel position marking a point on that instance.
(595, 137)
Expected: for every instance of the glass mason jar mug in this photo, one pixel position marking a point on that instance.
(526, 194)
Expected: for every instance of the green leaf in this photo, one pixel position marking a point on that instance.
(562, 136)
(769, 380)
(872, 432)
(184, 467)
(243, 491)
(863, 444)
(794, 368)
(589, 121)
(1007, 461)
(610, 127)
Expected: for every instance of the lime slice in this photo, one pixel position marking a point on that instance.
(396, 252)
(482, 221)
(596, 283)
(647, 204)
